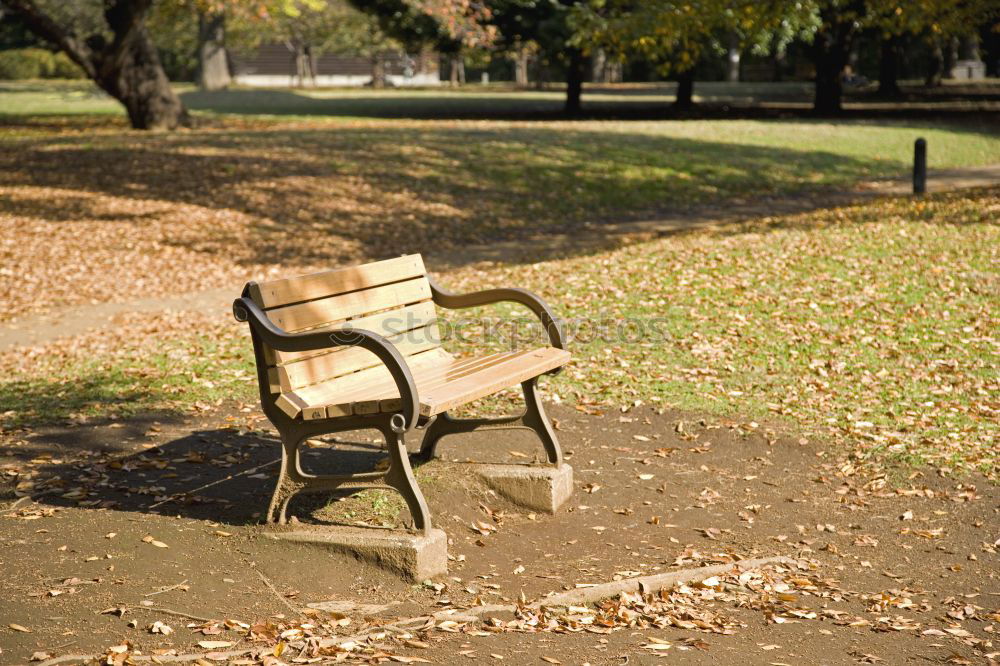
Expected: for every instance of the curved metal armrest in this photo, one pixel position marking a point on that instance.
(245, 309)
(544, 313)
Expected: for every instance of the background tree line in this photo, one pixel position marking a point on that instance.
(127, 47)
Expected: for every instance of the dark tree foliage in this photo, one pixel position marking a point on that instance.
(545, 22)
(831, 50)
(399, 20)
(126, 65)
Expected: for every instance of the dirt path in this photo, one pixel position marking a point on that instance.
(902, 569)
(71, 321)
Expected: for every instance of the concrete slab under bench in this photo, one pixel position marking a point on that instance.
(416, 556)
(537, 487)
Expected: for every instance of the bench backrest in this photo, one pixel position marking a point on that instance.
(391, 298)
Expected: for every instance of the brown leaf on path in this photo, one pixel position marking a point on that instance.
(18, 627)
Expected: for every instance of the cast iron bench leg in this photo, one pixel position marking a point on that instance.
(532, 418)
(292, 480)
(400, 477)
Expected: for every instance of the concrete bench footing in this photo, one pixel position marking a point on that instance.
(415, 556)
(536, 487)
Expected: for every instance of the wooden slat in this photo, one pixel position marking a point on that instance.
(379, 389)
(465, 380)
(351, 359)
(318, 285)
(442, 382)
(295, 318)
(427, 382)
(334, 391)
(387, 323)
(293, 405)
(480, 384)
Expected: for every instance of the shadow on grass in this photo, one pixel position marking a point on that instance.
(974, 202)
(331, 195)
(141, 456)
(45, 402)
(718, 101)
(217, 474)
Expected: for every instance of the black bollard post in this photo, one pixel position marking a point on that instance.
(919, 166)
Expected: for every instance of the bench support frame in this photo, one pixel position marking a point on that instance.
(533, 418)
(293, 480)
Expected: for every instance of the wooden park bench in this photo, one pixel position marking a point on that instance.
(359, 347)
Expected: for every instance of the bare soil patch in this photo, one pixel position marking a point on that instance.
(911, 559)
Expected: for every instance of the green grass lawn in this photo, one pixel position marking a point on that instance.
(304, 194)
(80, 97)
(491, 176)
(41, 98)
(873, 326)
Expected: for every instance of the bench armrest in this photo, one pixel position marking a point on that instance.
(544, 313)
(246, 310)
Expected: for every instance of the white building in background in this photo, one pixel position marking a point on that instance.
(276, 66)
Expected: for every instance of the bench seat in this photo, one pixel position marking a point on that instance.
(443, 382)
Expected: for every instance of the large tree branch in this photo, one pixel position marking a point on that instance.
(44, 26)
(125, 18)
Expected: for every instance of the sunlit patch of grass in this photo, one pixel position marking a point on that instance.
(248, 195)
(873, 325)
(370, 507)
(165, 363)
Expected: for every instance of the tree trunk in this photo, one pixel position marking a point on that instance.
(456, 75)
(137, 80)
(298, 63)
(127, 67)
(378, 70)
(613, 72)
(968, 47)
(780, 60)
(684, 98)
(598, 66)
(521, 67)
(888, 67)
(829, 89)
(936, 69)
(831, 51)
(574, 82)
(309, 60)
(733, 59)
(950, 56)
(213, 63)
